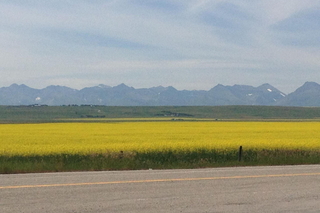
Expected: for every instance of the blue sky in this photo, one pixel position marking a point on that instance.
(187, 44)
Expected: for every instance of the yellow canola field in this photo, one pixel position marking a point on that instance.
(86, 138)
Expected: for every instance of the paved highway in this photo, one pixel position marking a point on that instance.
(241, 189)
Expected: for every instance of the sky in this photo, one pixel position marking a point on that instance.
(187, 44)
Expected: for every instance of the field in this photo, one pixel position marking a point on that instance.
(41, 147)
(41, 114)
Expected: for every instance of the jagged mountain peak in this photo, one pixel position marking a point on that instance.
(306, 95)
(266, 85)
(122, 85)
(103, 86)
(241, 85)
(57, 86)
(123, 95)
(14, 85)
(218, 87)
(268, 88)
(18, 86)
(171, 88)
(309, 85)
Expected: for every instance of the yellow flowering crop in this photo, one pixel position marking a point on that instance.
(86, 138)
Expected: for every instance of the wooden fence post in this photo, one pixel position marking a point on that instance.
(240, 153)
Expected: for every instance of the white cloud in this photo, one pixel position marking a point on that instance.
(191, 44)
(279, 10)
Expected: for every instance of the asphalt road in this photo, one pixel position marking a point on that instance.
(242, 189)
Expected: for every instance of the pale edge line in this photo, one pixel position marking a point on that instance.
(157, 180)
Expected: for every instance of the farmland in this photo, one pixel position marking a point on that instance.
(66, 146)
(45, 114)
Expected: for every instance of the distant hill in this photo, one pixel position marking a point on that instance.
(123, 95)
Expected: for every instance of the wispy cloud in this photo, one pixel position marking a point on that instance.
(300, 29)
(189, 44)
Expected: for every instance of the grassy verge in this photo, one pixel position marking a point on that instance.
(154, 160)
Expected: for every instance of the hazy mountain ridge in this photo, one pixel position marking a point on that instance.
(123, 95)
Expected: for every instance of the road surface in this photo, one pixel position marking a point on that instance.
(241, 189)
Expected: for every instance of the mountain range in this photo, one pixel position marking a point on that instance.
(122, 95)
